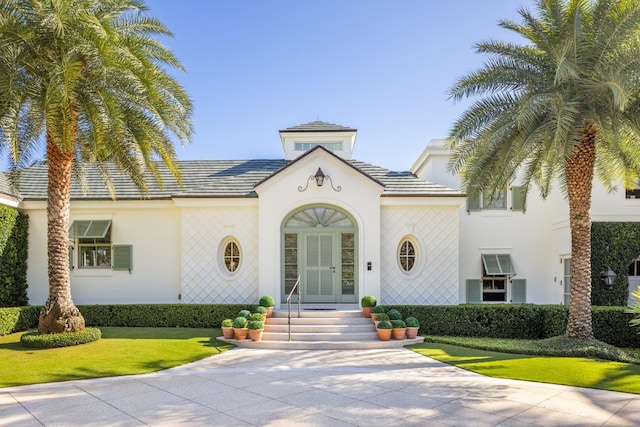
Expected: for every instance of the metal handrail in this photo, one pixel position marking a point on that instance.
(295, 287)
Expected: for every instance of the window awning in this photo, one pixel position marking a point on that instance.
(89, 229)
(498, 265)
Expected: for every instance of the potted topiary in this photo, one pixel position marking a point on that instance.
(380, 317)
(257, 316)
(256, 328)
(240, 330)
(384, 330)
(244, 313)
(368, 302)
(412, 327)
(378, 309)
(267, 302)
(394, 315)
(399, 330)
(227, 328)
(260, 309)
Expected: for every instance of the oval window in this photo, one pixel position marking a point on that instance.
(231, 257)
(407, 255)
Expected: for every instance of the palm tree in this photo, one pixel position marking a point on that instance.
(86, 78)
(559, 108)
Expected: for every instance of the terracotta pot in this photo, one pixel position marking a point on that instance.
(398, 333)
(373, 316)
(412, 333)
(227, 332)
(366, 311)
(269, 311)
(256, 334)
(384, 334)
(240, 333)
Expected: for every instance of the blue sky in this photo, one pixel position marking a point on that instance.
(383, 67)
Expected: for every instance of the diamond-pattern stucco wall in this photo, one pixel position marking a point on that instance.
(203, 277)
(435, 279)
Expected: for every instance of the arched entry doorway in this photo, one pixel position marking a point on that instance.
(319, 242)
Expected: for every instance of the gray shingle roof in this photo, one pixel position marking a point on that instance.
(215, 178)
(318, 126)
(5, 185)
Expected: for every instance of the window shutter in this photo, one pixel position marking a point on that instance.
(122, 257)
(519, 291)
(518, 196)
(474, 203)
(474, 291)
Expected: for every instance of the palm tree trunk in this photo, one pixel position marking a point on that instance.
(579, 170)
(59, 313)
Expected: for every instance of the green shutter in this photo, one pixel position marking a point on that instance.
(89, 229)
(474, 291)
(497, 265)
(474, 202)
(122, 257)
(518, 198)
(519, 291)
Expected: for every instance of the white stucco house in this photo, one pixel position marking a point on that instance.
(237, 230)
(515, 252)
(240, 229)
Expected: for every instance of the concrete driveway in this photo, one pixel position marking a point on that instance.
(314, 388)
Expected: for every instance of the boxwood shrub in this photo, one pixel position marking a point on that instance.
(66, 339)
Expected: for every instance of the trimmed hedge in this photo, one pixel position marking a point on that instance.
(17, 319)
(521, 321)
(161, 315)
(14, 239)
(67, 339)
(613, 245)
(524, 321)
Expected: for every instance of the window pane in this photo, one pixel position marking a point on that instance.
(95, 256)
(497, 202)
(232, 256)
(406, 255)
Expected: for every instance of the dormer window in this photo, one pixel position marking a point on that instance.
(306, 146)
(300, 139)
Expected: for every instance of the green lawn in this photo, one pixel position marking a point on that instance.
(574, 371)
(121, 351)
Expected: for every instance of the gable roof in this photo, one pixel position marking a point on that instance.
(215, 179)
(321, 148)
(318, 126)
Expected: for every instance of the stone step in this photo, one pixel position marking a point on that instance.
(309, 313)
(323, 345)
(320, 328)
(320, 336)
(337, 321)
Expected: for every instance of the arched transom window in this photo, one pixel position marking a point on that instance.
(319, 217)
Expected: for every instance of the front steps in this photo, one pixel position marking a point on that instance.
(320, 329)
